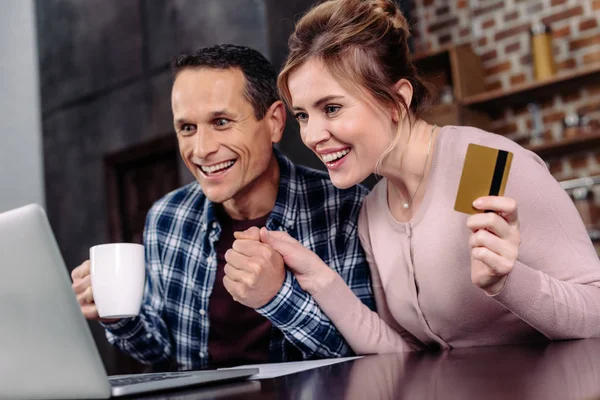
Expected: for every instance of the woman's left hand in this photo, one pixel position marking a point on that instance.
(494, 242)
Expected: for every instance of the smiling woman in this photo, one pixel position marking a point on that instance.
(524, 272)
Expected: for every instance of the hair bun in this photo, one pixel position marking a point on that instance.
(391, 11)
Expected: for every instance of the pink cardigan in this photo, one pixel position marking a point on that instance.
(421, 269)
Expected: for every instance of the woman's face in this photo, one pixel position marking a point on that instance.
(346, 129)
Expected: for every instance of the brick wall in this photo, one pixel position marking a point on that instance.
(498, 32)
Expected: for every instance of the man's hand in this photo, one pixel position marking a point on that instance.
(254, 272)
(82, 286)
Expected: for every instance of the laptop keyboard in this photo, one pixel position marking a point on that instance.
(133, 379)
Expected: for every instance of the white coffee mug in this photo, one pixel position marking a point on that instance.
(118, 274)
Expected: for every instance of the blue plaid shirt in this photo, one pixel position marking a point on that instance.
(180, 235)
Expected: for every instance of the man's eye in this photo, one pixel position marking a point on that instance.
(221, 122)
(301, 116)
(187, 129)
(332, 109)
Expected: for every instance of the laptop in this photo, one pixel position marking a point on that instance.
(46, 347)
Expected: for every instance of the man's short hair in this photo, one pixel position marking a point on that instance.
(260, 75)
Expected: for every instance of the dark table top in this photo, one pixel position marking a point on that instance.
(559, 370)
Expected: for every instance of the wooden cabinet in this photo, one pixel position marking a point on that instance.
(454, 74)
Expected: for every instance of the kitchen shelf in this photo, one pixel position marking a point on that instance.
(585, 141)
(520, 95)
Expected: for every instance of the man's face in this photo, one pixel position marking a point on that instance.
(220, 140)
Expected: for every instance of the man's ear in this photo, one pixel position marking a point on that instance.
(404, 88)
(275, 117)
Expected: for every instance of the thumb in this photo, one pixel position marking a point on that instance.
(267, 236)
(251, 233)
(281, 242)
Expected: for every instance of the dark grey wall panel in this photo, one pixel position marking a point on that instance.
(184, 25)
(86, 46)
(75, 143)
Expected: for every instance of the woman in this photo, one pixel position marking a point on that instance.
(525, 272)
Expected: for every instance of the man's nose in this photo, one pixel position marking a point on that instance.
(205, 145)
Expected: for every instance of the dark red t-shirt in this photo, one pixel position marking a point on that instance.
(238, 334)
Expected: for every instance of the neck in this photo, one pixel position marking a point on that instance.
(408, 165)
(258, 198)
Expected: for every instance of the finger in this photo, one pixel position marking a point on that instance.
(81, 284)
(267, 236)
(281, 242)
(81, 271)
(251, 233)
(505, 206)
(237, 260)
(497, 264)
(233, 288)
(235, 274)
(491, 222)
(86, 297)
(250, 248)
(90, 311)
(483, 238)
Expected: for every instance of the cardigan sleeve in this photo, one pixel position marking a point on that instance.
(555, 283)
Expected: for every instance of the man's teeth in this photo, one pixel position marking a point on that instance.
(216, 167)
(334, 156)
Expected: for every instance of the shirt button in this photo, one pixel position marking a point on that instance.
(202, 312)
(214, 225)
(148, 336)
(201, 354)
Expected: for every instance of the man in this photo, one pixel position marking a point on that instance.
(227, 117)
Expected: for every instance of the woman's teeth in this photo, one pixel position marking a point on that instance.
(216, 168)
(330, 157)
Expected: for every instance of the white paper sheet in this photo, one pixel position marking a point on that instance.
(280, 369)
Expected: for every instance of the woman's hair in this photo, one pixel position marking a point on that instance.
(364, 44)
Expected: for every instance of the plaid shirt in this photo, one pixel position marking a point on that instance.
(180, 235)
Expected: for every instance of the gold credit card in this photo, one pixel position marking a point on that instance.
(484, 173)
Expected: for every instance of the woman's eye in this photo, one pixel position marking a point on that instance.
(301, 116)
(331, 109)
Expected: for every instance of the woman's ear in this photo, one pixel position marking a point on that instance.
(405, 90)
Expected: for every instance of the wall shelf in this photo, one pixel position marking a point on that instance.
(585, 141)
(519, 95)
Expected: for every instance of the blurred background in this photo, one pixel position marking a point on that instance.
(85, 119)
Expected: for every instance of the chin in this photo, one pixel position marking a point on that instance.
(216, 195)
(217, 198)
(343, 182)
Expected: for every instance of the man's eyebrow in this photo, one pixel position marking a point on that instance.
(219, 113)
(321, 101)
(213, 114)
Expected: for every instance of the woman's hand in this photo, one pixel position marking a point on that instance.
(310, 271)
(494, 242)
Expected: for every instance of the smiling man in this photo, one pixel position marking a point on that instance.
(206, 302)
